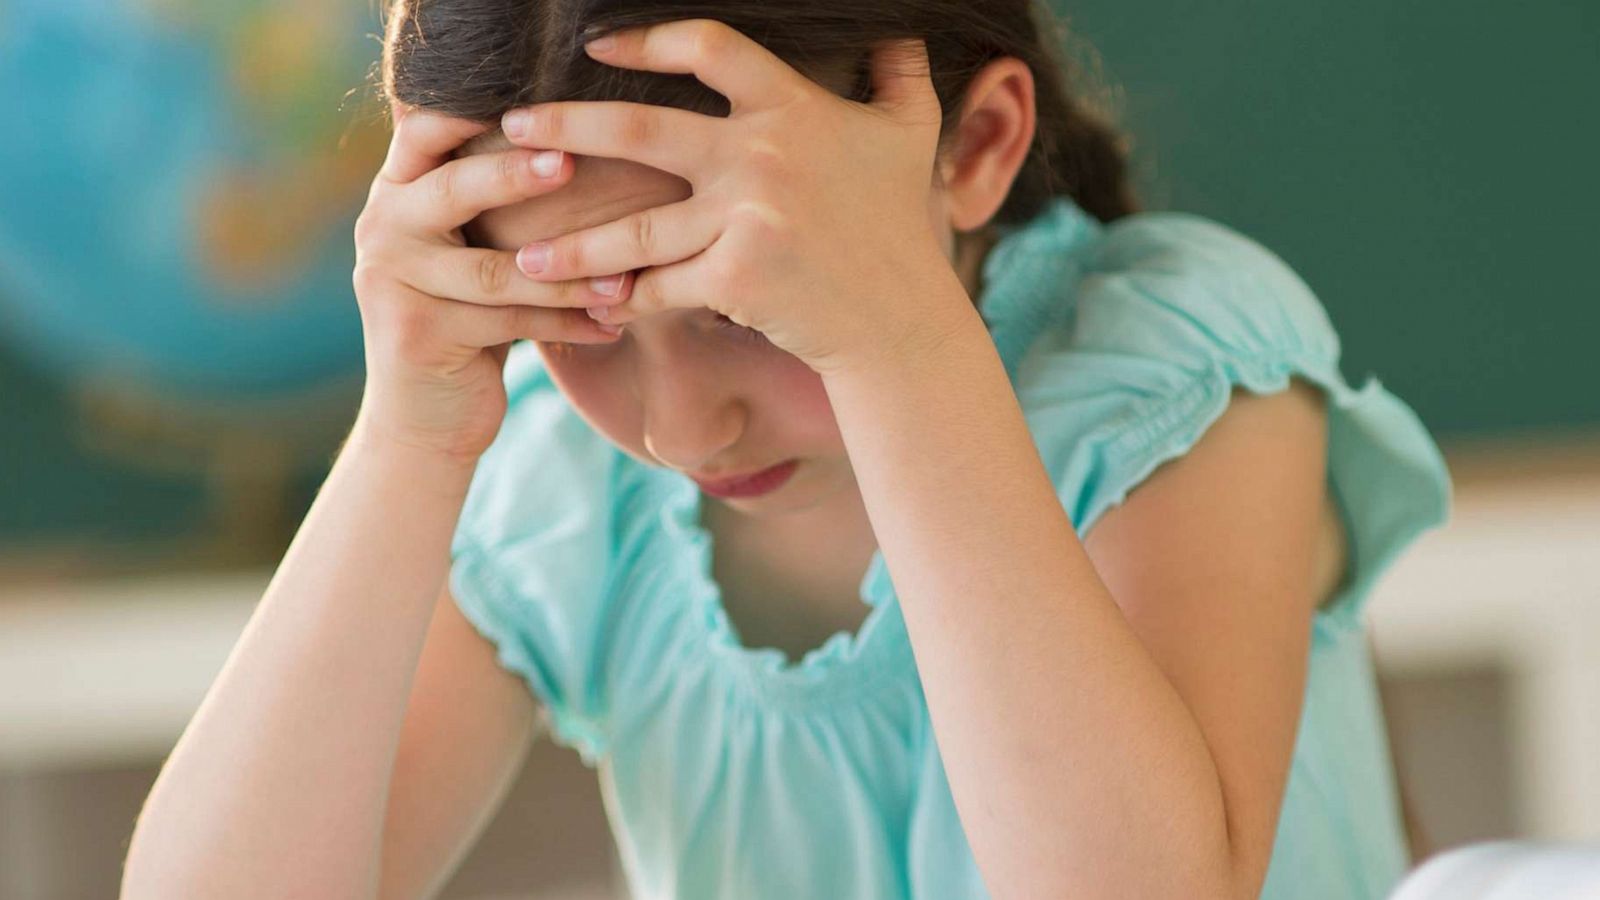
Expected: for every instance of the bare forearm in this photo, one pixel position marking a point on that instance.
(278, 785)
(1075, 765)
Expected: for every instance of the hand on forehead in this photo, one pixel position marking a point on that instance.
(603, 189)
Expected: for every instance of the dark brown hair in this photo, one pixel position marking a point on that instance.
(475, 59)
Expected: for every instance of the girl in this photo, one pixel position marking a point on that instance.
(909, 516)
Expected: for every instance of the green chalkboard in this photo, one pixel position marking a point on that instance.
(1430, 167)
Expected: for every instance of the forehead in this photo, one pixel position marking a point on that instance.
(598, 191)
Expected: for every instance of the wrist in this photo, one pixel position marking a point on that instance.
(376, 445)
(942, 316)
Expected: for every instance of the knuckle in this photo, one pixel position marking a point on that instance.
(411, 329)
(727, 275)
(377, 189)
(546, 122)
(442, 187)
(492, 274)
(365, 225)
(766, 158)
(643, 230)
(732, 274)
(566, 256)
(764, 220)
(638, 128)
(709, 39)
(366, 280)
(797, 98)
(372, 222)
(512, 170)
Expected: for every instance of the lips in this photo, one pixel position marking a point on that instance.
(756, 482)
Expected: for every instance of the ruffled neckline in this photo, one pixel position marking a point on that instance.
(874, 654)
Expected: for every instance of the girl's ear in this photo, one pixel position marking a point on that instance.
(993, 136)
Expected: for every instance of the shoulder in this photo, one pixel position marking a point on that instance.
(1165, 305)
(1171, 315)
(1185, 287)
(1173, 320)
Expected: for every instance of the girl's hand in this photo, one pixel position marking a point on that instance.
(438, 316)
(810, 218)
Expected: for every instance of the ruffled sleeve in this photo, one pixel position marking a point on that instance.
(1172, 311)
(532, 551)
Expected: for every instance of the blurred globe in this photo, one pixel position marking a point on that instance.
(178, 187)
(178, 184)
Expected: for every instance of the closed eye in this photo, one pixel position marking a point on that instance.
(741, 331)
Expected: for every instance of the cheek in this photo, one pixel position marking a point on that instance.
(796, 393)
(595, 390)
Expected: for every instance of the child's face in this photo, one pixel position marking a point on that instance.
(677, 389)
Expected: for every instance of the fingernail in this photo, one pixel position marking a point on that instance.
(608, 285)
(546, 163)
(608, 329)
(534, 258)
(602, 44)
(515, 123)
(598, 313)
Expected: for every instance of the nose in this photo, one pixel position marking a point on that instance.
(692, 413)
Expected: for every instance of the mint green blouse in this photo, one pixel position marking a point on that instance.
(733, 772)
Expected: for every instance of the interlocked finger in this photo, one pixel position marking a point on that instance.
(475, 326)
(458, 191)
(656, 236)
(488, 277)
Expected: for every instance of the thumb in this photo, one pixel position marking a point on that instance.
(902, 79)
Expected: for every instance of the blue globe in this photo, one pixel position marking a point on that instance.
(178, 188)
